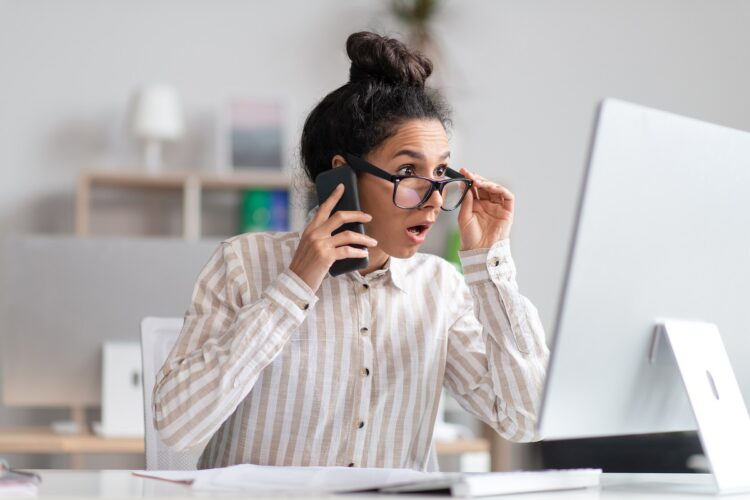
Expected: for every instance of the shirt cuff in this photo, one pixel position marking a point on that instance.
(483, 264)
(291, 293)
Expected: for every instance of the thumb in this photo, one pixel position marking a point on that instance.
(464, 213)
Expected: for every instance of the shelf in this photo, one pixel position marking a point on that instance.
(192, 185)
(44, 440)
(462, 446)
(264, 178)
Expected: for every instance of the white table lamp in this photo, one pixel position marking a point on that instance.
(157, 117)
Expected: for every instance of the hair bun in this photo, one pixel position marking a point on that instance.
(379, 58)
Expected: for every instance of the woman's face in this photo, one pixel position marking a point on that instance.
(419, 147)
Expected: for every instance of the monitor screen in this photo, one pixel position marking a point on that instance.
(65, 296)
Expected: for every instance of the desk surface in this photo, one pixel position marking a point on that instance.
(122, 484)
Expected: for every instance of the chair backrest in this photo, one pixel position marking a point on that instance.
(158, 336)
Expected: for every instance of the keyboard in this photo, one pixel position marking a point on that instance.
(501, 483)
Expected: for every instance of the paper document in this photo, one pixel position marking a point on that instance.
(173, 476)
(263, 479)
(15, 483)
(312, 480)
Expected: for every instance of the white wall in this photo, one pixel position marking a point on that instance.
(530, 73)
(523, 76)
(68, 70)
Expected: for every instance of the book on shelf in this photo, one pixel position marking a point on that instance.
(264, 210)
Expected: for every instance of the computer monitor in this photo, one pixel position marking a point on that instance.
(662, 231)
(65, 296)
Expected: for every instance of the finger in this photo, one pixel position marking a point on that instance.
(498, 189)
(466, 173)
(347, 252)
(467, 207)
(487, 189)
(502, 196)
(472, 176)
(469, 174)
(498, 194)
(343, 217)
(324, 212)
(352, 238)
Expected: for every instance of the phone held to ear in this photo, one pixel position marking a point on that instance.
(325, 183)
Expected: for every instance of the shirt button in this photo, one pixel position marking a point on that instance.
(360, 425)
(366, 286)
(364, 330)
(351, 464)
(365, 372)
(306, 307)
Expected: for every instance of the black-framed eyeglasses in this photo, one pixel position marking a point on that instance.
(413, 191)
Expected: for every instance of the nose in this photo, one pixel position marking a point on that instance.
(435, 200)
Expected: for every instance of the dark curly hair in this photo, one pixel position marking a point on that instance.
(386, 88)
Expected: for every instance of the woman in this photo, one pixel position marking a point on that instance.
(279, 363)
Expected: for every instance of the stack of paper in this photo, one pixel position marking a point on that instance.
(316, 480)
(17, 484)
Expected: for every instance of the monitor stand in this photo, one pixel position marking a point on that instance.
(714, 395)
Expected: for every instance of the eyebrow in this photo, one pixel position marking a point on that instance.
(417, 155)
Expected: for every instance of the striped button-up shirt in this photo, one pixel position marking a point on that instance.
(267, 372)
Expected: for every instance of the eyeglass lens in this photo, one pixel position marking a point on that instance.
(412, 190)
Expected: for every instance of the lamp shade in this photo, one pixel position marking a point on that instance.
(157, 114)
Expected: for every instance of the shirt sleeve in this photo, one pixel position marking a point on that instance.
(223, 347)
(497, 355)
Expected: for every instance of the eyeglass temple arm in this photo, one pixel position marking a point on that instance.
(358, 163)
(453, 174)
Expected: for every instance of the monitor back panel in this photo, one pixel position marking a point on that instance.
(64, 296)
(663, 231)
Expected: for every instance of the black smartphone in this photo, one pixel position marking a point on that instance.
(325, 183)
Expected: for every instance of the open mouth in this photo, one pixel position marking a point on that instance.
(418, 233)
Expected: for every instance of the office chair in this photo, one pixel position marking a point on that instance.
(158, 335)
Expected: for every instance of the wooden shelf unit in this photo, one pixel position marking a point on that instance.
(192, 185)
(41, 440)
(45, 440)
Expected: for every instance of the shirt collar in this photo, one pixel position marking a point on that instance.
(394, 268)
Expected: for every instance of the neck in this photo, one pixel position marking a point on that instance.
(377, 260)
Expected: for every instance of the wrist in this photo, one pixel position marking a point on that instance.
(484, 245)
(310, 281)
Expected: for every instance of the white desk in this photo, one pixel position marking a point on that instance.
(121, 484)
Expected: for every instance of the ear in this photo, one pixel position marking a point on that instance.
(338, 161)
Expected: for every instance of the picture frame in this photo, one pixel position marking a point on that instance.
(251, 134)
